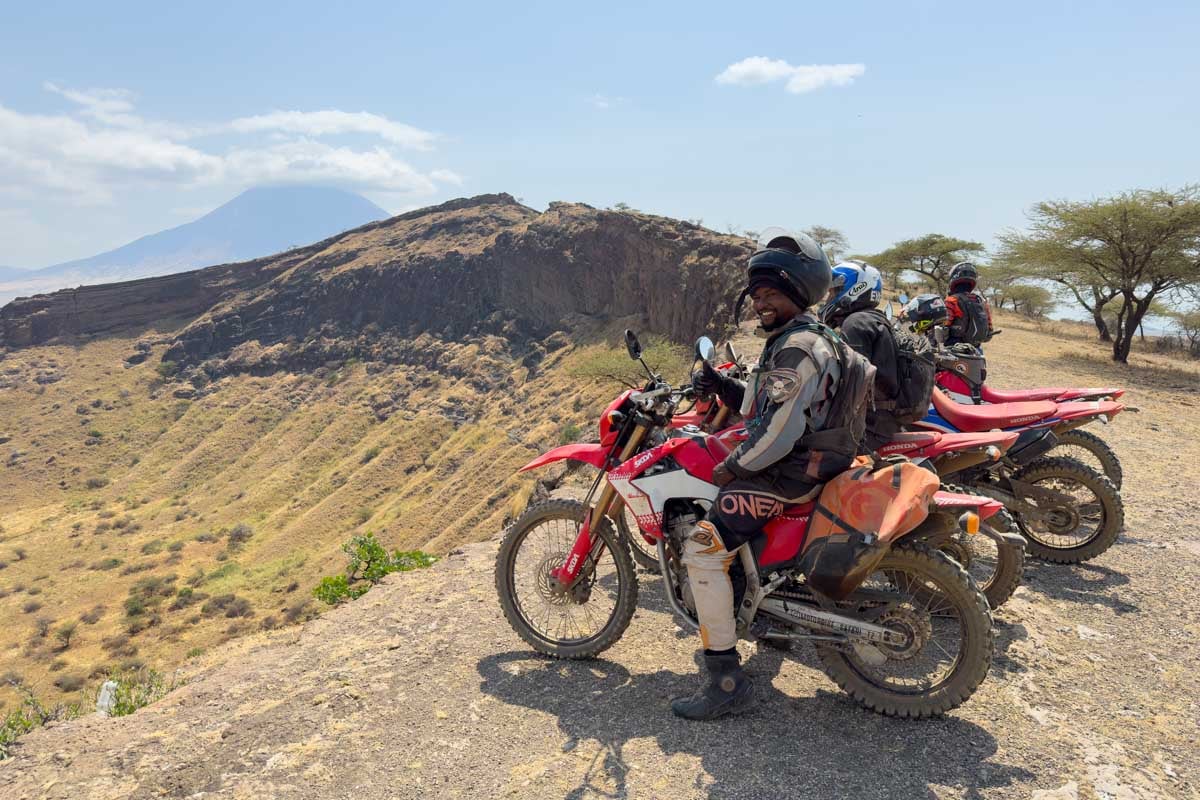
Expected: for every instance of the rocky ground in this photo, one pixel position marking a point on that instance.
(420, 689)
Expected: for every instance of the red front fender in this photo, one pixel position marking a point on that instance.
(593, 454)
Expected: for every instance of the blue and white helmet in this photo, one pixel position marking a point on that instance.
(856, 285)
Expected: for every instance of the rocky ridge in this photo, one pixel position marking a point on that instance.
(480, 265)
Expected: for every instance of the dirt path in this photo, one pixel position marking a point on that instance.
(421, 690)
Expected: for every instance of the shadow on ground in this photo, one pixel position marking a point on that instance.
(1079, 583)
(813, 746)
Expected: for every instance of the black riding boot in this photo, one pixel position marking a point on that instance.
(729, 689)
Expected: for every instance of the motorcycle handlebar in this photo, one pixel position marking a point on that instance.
(648, 399)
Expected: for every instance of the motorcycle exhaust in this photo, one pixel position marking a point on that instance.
(809, 617)
(687, 620)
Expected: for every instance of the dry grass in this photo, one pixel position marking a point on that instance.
(282, 454)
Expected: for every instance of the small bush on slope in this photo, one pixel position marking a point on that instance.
(369, 562)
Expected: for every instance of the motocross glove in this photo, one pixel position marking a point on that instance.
(707, 380)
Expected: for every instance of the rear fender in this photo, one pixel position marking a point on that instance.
(985, 507)
(1076, 412)
(594, 454)
(1090, 393)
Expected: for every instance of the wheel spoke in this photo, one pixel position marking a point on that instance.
(561, 617)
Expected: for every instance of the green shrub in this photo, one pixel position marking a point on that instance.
(569, 433)
(64, 634)
(369, 563)
(240, 534)
(151, 547)
(614, 364)
(97, 483)
(138, 688)
(369, 455)
(167, 369)
(29, 715)
(69, 683)
(228, 604)
(107, 563)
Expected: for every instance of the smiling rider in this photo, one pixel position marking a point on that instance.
(803, 407)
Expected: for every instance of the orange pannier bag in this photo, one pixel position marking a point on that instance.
(857, 516)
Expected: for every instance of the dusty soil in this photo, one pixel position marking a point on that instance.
(420, 689)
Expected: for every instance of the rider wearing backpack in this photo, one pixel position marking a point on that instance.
(803, 406)
(905, 369)
(853, 308)
(970, 314)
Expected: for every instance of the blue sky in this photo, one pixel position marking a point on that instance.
(118, 120)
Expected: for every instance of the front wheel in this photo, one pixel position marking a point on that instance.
(589, 617)
(1081, 529)
(948, 638)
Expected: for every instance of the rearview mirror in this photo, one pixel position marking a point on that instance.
(705, 349)
(887, 311)
(633, 345)
(733, 356)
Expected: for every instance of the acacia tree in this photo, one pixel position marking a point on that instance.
(832, 241)
(931, 255)
(1131, 249)
(1030, 301)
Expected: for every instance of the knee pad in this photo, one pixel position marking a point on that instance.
(704, 548)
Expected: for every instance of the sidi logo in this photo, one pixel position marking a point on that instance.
(571, 564)
(642, 459)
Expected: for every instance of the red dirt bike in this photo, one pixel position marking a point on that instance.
(995, 560)
(914, 639)
(1067, 511)
(962, 372)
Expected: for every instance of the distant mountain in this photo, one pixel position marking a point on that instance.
(258, 222)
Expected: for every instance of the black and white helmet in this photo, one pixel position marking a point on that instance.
(963, 277)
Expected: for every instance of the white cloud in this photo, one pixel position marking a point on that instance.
(310, 161)
(102, 147)
(758, 70)
(326, 123)
(604, 102)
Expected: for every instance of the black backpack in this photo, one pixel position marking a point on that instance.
(916, 371)
(973, 326)
(846, 420)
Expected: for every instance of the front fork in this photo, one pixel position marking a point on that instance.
(586, 551)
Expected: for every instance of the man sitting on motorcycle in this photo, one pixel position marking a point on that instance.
(970, 314)
(803, 406)
(853, 308)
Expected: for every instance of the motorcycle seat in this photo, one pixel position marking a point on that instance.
(972, 418)
(991, 395)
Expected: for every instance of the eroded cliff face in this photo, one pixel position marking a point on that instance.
(481, 265)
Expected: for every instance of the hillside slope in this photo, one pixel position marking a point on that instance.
(420, 690)
(390, 380)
